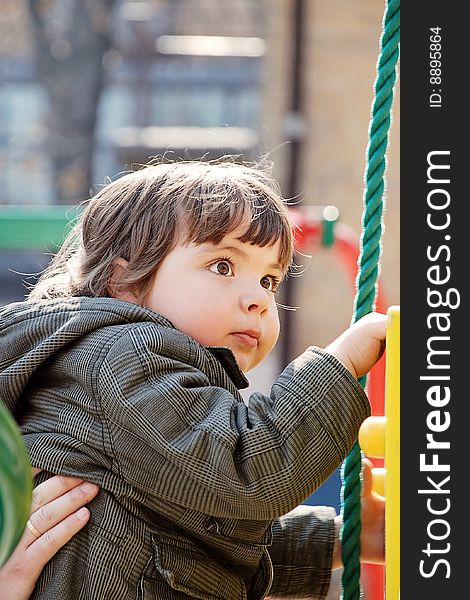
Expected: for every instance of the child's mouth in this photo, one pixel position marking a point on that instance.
(246, 338)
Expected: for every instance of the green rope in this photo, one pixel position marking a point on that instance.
(366, 282)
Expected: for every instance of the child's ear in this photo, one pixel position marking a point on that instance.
(116, 290)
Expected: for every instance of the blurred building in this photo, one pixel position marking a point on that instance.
(166, 88)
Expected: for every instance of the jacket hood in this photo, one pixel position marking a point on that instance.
(31, 332)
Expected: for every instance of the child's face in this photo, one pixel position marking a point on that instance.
(222, 295)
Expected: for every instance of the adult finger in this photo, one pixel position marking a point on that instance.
(33, 551)
(52, 488)
(366, 477)
(44, 548)
(59, 508)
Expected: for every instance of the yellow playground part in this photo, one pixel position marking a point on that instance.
(380, 437)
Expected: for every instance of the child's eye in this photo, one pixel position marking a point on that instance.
(270, 282)
(222, 267)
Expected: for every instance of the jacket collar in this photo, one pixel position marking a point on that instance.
(228, 361)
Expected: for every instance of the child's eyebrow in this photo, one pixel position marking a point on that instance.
(213, 249)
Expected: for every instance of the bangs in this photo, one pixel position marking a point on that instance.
(262, 218)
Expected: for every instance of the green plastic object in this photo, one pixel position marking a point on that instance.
(16, 484)
(35, 227)
(330, 215)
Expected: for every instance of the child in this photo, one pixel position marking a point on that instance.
(123, 368)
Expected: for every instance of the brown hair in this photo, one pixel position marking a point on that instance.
(142, 216)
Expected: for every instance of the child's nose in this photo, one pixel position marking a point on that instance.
(254, 300)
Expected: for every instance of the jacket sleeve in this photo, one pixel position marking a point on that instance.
(176, 437)
(302, 553)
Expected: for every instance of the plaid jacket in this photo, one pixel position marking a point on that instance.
(193, 481)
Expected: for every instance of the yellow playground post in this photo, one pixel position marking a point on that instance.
(380, 437)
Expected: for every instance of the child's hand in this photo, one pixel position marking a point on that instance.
(362, 344)
(373, 520)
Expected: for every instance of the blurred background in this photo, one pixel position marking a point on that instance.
(92, 88)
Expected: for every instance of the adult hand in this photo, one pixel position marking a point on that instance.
(57, 514)
(372, 523)
(372, 518)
